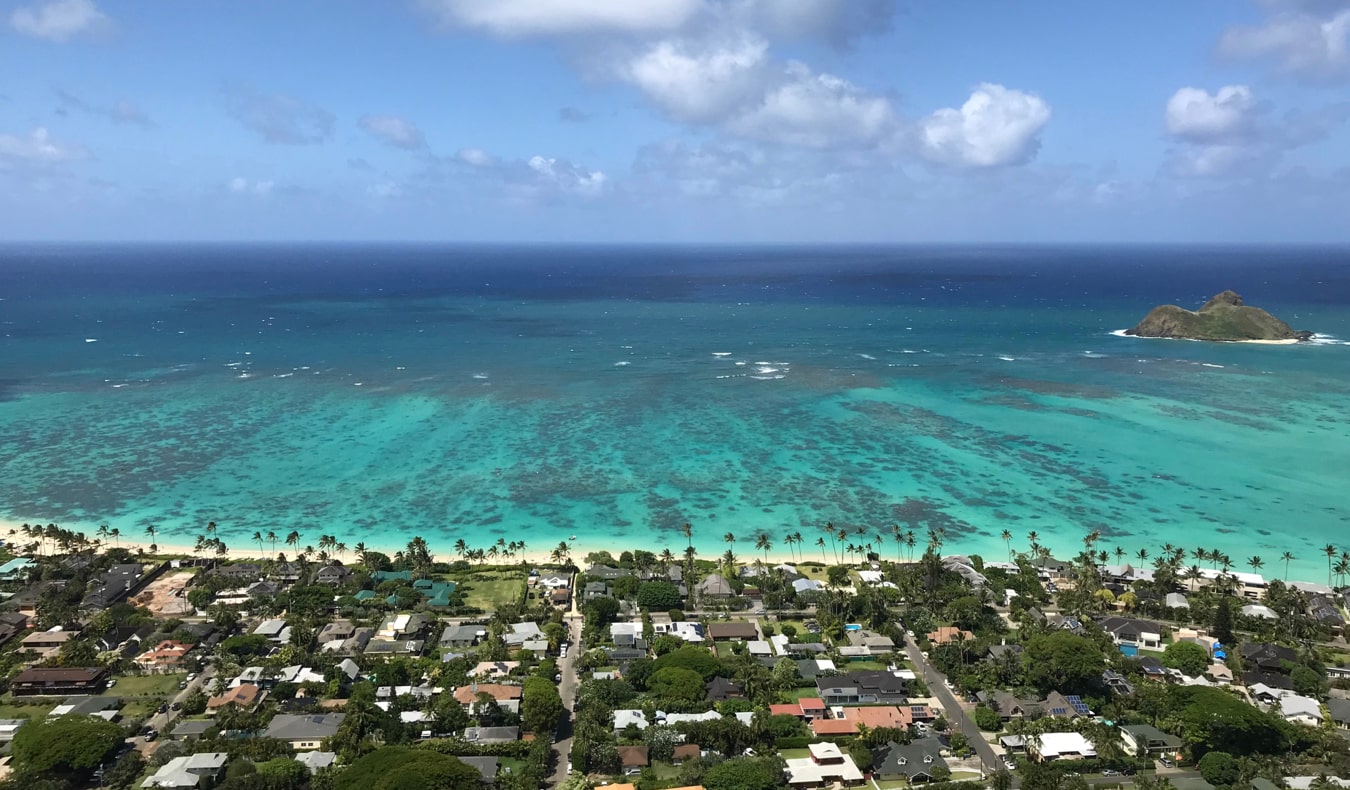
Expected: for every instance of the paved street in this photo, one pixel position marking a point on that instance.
(562, 745)
(956, 715)
(162, 722)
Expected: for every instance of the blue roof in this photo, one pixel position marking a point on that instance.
(16, 564)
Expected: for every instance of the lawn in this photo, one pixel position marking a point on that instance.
(794, 754)
(488, 591)
(796, 694)
(8, 710)
(145, 686)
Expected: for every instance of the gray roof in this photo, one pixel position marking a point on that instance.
(487, 766)
(191, 729)
(916, 758)
(289, 727)
(491, 734)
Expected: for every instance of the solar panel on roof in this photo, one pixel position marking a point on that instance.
(1059, 711)
(1078, 704)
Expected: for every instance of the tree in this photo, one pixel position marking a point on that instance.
(283, 772)
(691, 657)
(1218, 768)
(987, 719)
(658, 596)
(676, 683)
(540, 706)
(1308, 681)
(67, 747)
(1222, 627)
(1213, 720)
(1190, 658)
(402, 768)
(1062, 661)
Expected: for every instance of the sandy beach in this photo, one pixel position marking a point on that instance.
(1289, 342)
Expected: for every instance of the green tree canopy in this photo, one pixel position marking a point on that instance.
(540, 706)
(691, 657)
(403, 768)
(1218, 768)
(1213, 720)
(744, 774)
(1187, 657)
(658, 596)
(1063, 661)
(676, 683)
(66, 747)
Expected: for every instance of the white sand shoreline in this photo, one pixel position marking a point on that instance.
(1289, 342)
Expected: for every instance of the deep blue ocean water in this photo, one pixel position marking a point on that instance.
(613, 393)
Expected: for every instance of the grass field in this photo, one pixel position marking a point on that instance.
(8, 710)
(145, 686)
(487, 591)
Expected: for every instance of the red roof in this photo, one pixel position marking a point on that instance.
(811, 703)
(785, 710)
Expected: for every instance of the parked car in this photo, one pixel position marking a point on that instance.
(1110, 772)
(150, 736)
(112, 682)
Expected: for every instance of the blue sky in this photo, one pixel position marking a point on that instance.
(676, 120)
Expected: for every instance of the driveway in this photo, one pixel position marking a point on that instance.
(956, 715)
(162, 722)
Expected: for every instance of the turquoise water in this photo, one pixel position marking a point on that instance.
(989, 399)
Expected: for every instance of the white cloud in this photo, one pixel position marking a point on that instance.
(567, 177)
(1196, 115)
(1220, 160)
(513, 18)
(816, 111)
(395, 131)
(242, 186)
(701, 82)
(996, 126)
(58, 20)
(1312, 43)
(38, 146)
(476, 157)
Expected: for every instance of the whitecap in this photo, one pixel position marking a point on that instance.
(740, 364)
(622, 364)
(766, 369)
(91, 340)
(721, 353)
(358, 384)
(1210, 365)
(1007, 358)
(480, 376)
(867, 356)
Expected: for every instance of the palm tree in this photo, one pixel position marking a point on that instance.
(909, 543)
(116, 535)
(1342, 567)
(1330, 551)
(361, 552)
(1120, 554)
(151, 531)
(1007, 541)
(763, 542)
(1255, 562)
(820, 542)
(1142, 554)
(560, 553)
(211, 528)
(258, 538)
(688, 531)
(829, 530)
(103, 531)
(1288, 557)
(341, 549)
(293, 538)
(1033, 538)
(271, 537)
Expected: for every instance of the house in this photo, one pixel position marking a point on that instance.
(114, 585)
(188, 771)
(715, 586)
(686, 630)
(523, 632)
(190, 729)
(491, 670)
(1120, 685)
(332, 575)
(462, 636)
(238, 571)
(1008, 705)
(245, 695)
(16, 570)
(506, 697)
(45, 644)
(629, 717)
(803, 586)
(851, 720)
(1259, 611)
(560, 596)
(1267, 656)
(486, 767)
(164, 656)
(825, 766)
(380, 577)
(807, 708)
(862, 687)
(554, 582)
(1059, 705)
(316, 761)
(1175, 600)
(8, 727)
(1301, 710)
(633, 757)
(1129, 631)
(356, 643)
(336, 631)
(686, 751)
(914, 761)
(1144, 739)
(492, 734)
(1060, 746)
(304, 732)
(735, 631)
(677, 718)
(948, 634)
(11, 625)
(1324, 610)
(1340, 712)
(275, 631)
(62, 681)
(608, 573)
(299, 674)
(720, 689)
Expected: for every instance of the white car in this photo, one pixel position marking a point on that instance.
(562, 653)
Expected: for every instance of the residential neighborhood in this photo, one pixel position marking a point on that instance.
(187, 671)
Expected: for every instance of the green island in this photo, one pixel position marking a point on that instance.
(1147, 667)
(1223, 318)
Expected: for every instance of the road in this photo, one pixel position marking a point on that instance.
(956, 715)
(161, 721)
(562, 743)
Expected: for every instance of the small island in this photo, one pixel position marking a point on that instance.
(1224, 318)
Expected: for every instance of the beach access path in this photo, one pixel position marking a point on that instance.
(567, 689)
(956, 715)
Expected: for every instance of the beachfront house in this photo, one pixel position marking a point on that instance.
(1135, 633)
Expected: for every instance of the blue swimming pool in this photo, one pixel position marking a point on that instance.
(1129, 651)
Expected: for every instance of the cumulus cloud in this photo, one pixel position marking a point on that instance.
(475, 157)
(1196, 115)
(996, 126)
(38, 146)
(120, 111)
(1310, 40)
(280, 118)
(393, 130)
(701, 81)
(816, 111)
(58, 20)
(567, 177)
(519, 18)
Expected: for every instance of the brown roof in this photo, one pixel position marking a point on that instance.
(467, 694)
(633, 756)
(732, 631)
(947, 634)
(59, 675)
(243, 695)
(687, 751)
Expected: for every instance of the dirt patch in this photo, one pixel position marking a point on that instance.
(167, 595)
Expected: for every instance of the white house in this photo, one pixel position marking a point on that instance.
(1301, 710)
(187, 771)
(1061, 746)
(826, 766)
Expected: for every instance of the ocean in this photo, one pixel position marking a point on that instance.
(613, 394)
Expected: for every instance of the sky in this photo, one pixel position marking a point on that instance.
(694, 121)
